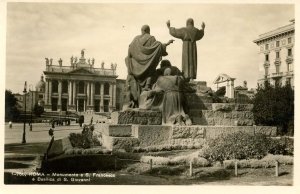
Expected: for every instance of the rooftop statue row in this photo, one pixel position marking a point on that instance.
(81, 61)
(151, 88)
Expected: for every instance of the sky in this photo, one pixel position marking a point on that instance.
(60, 30)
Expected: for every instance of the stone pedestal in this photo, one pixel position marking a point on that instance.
(137, 117)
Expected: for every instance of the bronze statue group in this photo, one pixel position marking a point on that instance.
(162, 89)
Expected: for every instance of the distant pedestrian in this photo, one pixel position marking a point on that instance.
(10, 124)
(53, 126)
(51, 132)
(92, 120)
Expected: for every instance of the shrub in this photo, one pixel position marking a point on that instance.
(156, 160)
(162, 170)
(241, 146)
(77, 140)
(166, 147)
(11, 106)
(266, 162)
(38, 110)
(178, 160)
(274, 105)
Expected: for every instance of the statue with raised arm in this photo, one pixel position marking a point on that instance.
(144, 54)
(47, 61)
(93, 61)
(102, 65)
(82, 53)
(51, 61)
(75, 60)
(71, 60)
(189, 35)
(60, 62)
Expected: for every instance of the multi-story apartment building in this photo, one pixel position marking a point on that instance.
(276, 55)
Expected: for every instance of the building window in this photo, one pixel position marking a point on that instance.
(267, 47)
(288, 81)
(277, 55)
(64, 86)
(267, 57)
(106, 89)
(277, 82)
(266, 70)
(97, 89)
(41, 96)
(54, 86)
(54, 104)
(106, 105)
(289, 67)
(81, 87)
(290, 52)
(289, 40)
(277, 44)
(277, 68)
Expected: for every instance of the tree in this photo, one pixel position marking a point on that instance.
(38, 110)
(11, 111)
(274, 106)
(221, 91)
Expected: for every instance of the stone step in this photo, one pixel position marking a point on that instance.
(120, 143)
(229, 118)
(150, 135)
(194, 98)
(137, 117)
(117, 130)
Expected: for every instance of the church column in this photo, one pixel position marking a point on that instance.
(110, 97)
(47, 92)
(92, 94)
(231, 89)
(101, 97)
(59, 95)
(69, 92)
(88, 93)
(84, 104)
(74, 92)
(50, 93)
(76, 105)
(114, 96)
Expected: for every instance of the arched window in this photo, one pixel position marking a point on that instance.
(81, 87)
(106, 89)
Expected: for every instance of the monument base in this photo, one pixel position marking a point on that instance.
(142, 117)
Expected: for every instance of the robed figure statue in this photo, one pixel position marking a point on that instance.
(189, 35)
(144, 54)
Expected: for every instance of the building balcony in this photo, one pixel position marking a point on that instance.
(277, 75)
(289, 59)
(289, 74)
(277, 61)
(266, 63)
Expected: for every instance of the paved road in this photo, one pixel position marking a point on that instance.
(39, 132)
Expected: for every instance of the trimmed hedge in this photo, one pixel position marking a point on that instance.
(165, 147)
(241, 146)
(178, 160)
(77, 140)
(266, 162)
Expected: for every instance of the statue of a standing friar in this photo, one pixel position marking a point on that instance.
(189, 35)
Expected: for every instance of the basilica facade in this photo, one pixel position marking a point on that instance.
(80, 87)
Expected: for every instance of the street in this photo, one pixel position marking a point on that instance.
(39, 132)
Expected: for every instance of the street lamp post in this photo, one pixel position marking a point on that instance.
(24, 128)
(31, 90)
